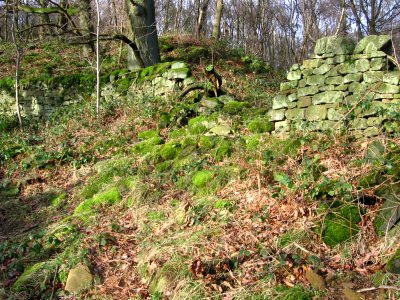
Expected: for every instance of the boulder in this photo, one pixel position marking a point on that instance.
(79, 279)
(335, 45)
(374, 43)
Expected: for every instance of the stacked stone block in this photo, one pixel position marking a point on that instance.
(343, 85)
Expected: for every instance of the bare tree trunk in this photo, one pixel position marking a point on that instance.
(200, 19)
(86, 27)
(62, 20)
(14, 24)
(97, 59)
(217, 23)
(357, 19)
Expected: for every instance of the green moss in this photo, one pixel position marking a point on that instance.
(147, 146)
(393, 265)
(235, 107)
(206, 143)
(198, 129)
(260, 126)
(109, 197)
(341, 224)
(222, 150)
(156, 216)
(252, 142)
(170, 150)
(202, 178)
(197, 120)
(293, 293)
(35, 277)
(178, 133)
(145, 135)
(58, 201)
(123, 84)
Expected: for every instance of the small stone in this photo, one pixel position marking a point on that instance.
(374, 54)
(316, 80)
(307, 72)
(209, 102)
(342, 87)
(304, 101)
(292, 97)
(359, 123)
(333, 72)
(328, 97)
(316, 113)
(348, 67)
(294, 75)
(288, 85)
(352, 295)
(371, 131)
(295, 67)
(317, 281)
(323, 69)
(392, 78)
(386, 88)
(373, 76)
(325, 88)
(222, 130)
(362, 65)
(302, 83)
(277, 115)
(309, 90)
(357, 87)
(178, 65)
(295, 114)
(282, 126)
(335, 80)
(353, 77)
(279, 101)
(377, 64)
(311, 63)
(336, 114)
(79, 279)
(393, 265)
(335, 45)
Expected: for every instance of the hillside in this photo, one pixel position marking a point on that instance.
(166, 198)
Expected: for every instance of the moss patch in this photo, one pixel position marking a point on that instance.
(393, 265)
(145, 135)
(235, 107)
(36, 275)
(260, 126)
(147, 146)
(202, 178)
(223, 149)
(109, 197)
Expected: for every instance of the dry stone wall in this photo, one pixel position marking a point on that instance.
(41, 99)
(343, 86)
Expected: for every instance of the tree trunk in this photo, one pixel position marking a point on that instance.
(14, 25)
(85, 17)
(143, 24)
(200, 19)
(62, 20)
(218, 16)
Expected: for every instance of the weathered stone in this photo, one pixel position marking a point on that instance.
(362, 65)
(393, 265)
(374, 108)
(279, 101)
(181, 73)
(316, 80)
(311, 63)
(389, 214)
(359, 56)
(324, 88)
(338, 59)
(328, 55)
(304, 101)
(336, 114)
(328, 97)
(348, 67)
(276, 115)
(309, 90)
(189, 81)
(373, 76)
(178, 65)
(288, 85)
(392, 78)
(295, 114)
(282, 126)
(386, 88)
(323, 69)
(222, 130)
(335, 45)
(292, 104)
(79, 279)
(342, 87)
(375, 121)
(356, 77)
(333, 71)
(372, 43)
(292, 97)
(374, 54)
(371, 131)
(302, 83)
(307, 72)
(350, 294)
(209, 102)
(316, 113)
(377, 64)
(357, 87)
(359, 123)
(317, 281)
(335, 80)
(294, 75)
(295, 67)
(326, 125)
(391, 127)
(383, 96)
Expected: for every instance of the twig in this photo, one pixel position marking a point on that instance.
(54, 283)
(381, 287)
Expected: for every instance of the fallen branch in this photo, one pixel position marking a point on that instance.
(199, 86)
(381, 287)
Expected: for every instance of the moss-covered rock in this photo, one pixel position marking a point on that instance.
(170, 150)
(235, 107)
(393, 265)
(206, 142)
(109, 197)
(148, 134)
(59, 200)
(202, 178)
(260, 126)
(341, 224)
(222, 150)
(147, 146)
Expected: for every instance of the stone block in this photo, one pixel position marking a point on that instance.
(328, 97)
(325, 125)
(322, 69)
(292, 104)
(348, 67)
(311, 63)
(373, 43)
(392, 77)
(294, 75)
(356, 77)
(375, 121)
(383, 96)
(357, 87)
(358, 123)
(315, 80)
(374, 54)
(373, 76)
(295, 114)
(337, 113)
(372, 110)
(324, 88)
(391, 127)
(377, 64)
(276, 115)
(307, 72)
(386, 88)
(308, 90)
(181, 73)
(178, 65)
(337, 80)
(295, 67)
(316, 113)
(333, 71)
(359, 56)
(371, 131)
(282, 126)
(292, 97)
(279, 101)
(304, 101)
(362, 65)
(288, 85)
(334, 44)
(342, 87)
(338, 59)
(302, 83)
